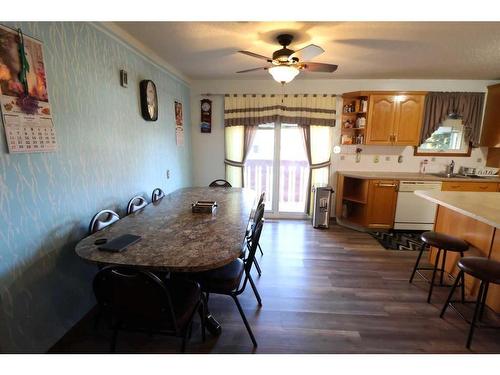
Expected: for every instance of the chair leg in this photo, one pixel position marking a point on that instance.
(434, 276)
(97, 317)
(112, 347)
(257, 267)
(457, 280)
(235, 298)
(260, 249)
(201, 311)
(422, 248)
(254, 288)
(442, 268)
(483, 301)
(190, 331)
(476, 313)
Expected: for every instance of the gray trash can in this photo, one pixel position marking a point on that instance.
(321, 206)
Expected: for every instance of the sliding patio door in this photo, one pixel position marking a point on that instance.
(277, 164)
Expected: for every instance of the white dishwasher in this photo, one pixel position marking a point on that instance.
(412, 211)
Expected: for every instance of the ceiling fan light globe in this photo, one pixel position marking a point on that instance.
(283, 73)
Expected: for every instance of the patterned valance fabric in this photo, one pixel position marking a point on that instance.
(303, 110)
(466, 105)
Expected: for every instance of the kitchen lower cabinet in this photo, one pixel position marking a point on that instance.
(469, 186)
(382, 199)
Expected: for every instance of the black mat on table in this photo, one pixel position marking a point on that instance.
(399, 239)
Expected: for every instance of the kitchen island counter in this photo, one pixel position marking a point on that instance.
(475, 218)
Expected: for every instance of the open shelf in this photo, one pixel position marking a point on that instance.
(355, 190)
(355, 212)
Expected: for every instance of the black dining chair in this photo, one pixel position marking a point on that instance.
(157, 195)
(258, 217)
(135, 204)
(226, 280)
(220, 183)
(139, 301)
(102, 219)
(261, 201)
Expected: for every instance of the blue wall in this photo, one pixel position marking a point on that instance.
(107, 153)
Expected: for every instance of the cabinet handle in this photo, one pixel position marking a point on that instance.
(386, 185)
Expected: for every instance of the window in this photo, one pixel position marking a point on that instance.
(447, 140)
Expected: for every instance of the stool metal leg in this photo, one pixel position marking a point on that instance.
(436, 265)
(460, 276)
(442, 267)
(417, 262)
(476, 313)
(483, 301)
(463, 282)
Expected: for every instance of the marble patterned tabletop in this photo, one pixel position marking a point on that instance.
(175, 239)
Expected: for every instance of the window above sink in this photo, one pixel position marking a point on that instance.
(447, 140)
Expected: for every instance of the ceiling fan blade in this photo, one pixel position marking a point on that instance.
(319, 67)
(256, 55)
(253, 70)
(307, 53)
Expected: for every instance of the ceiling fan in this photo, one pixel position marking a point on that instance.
(287, 63)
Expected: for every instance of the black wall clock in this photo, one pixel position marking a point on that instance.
(149, 100)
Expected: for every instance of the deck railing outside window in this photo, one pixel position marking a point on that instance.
(293, 182)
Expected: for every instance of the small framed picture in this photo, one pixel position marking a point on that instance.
(123, 78)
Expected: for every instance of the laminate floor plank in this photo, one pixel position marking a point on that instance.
(323, 291)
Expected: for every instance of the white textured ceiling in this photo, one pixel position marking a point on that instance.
(432, 50)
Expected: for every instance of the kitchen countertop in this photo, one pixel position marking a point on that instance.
(481, 206)
(412, 176)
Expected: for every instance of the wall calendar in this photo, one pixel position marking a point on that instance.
(24, 100)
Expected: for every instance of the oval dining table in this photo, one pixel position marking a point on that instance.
(176, 240)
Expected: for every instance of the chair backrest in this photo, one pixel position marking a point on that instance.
(259, 213)
(157, 195)
(102, 219)
(220, 183)
(135, 298)
(135, 204)
(253, 245)
(261, 199)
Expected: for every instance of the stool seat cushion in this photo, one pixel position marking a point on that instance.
(444, 241)
(481, 268)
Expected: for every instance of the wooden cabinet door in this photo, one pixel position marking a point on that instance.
(381, 115)
(382, 198)
(469, 186)
(408, 120)
(490, 135)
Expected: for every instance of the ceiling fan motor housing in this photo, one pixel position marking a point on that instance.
(282, 54)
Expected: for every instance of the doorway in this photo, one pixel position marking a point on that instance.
(277, 164)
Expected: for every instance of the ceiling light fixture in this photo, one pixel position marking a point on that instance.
(283, 73)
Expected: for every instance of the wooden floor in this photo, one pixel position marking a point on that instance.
(323, 291)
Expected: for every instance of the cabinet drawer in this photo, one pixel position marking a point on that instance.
(469, 186)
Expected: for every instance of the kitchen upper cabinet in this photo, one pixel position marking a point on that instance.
(490, 135)
(381, 114)
(409, 118)
(395, 119)
(382, 199)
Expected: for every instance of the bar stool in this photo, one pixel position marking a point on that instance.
(442, 242)
(486, 270)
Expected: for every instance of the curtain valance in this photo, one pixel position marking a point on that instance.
(466, 105)
(303, 110)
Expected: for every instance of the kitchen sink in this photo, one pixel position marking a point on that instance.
(454, 175)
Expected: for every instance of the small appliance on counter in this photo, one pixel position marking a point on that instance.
(321, 206)
(479, 172)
